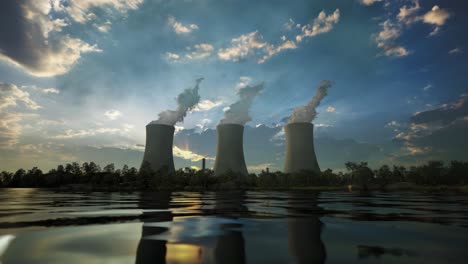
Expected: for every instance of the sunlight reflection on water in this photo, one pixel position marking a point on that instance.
(232, 227)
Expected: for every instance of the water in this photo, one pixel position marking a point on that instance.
(40, 226)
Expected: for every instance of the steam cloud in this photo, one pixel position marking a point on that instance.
(238, 112)
(186, 101)
(306, 113)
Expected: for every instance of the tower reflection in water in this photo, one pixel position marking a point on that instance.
(305, 228)
(230, 245)
(153, 250)
(218, 237)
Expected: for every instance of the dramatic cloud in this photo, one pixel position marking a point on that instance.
(439, 133)
(238, 112)
(306, 113)
(31, 33)
(113, 114)
(180, 28)
(186, 101)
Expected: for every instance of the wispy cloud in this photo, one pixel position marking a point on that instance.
(180, 28)
(206, 105)
(322, 24)
(253, 44)
(427, 87)
(195, 52)
(50, 91)
(369, 2)
(188, 155)
(455, 51)
(104, 27)
(260, 167)
(386, 40)
(81, 133)
(113, 114)
(10, 95)
(80, 10)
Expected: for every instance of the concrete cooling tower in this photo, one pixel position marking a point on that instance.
(158, 150)
(300, 152)
(230, 150)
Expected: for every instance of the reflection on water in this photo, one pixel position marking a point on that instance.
(374, 251)
(305, 243)
(232, 227)
(153, 250)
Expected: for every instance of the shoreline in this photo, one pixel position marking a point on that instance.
(396, 187)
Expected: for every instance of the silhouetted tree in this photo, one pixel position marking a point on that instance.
(360, 173)
(430, 173)
(383, 175)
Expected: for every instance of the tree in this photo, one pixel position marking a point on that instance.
(384, 175)
(17, 179)
(110, 168)
(33, 178)
(5, 178)
(360, 173)
(399, 174)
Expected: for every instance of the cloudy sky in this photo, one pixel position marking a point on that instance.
(80, 79)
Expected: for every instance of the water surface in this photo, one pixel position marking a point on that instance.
(43, 226)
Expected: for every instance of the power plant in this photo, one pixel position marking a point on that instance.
(230, 150)
(158, 150)
(299, 132)
(300, 152)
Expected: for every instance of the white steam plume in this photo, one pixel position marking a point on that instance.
(306, 113)
(238, 112)
(186, 101)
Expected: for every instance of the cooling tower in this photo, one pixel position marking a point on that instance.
(158, 150)
(300, 152)
(230, 150)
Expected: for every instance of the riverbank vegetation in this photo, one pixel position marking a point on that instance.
(89, 176)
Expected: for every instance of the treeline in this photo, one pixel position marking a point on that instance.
(91, 175)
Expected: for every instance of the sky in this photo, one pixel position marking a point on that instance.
(80, 79)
